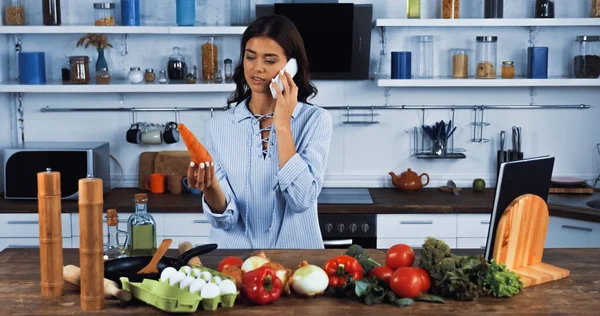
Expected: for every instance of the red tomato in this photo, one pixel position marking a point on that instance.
(230, 261)
(406, 282)
(425, 279)
(382, 273)
(399, 256)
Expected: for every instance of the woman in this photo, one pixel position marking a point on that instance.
(269, 154)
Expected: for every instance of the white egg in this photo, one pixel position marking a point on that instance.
(195, 273)
(227, 287)
(186, 282)
(186, 270)
(176, 277)
(166, 273)
(206, 276)
(216, 280)
(210, 290)
(197, 285)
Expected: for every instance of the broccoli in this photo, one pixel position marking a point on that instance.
(359, 253)
(433, 252)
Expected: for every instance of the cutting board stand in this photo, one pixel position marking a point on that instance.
(520, 239)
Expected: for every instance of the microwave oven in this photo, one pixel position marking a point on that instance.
(336, 36)
(74, 161)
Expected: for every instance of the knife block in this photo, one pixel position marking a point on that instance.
(520, 239)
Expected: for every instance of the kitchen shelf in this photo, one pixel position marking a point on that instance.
(78, 29)
(486, 22)
(116, 86)
(449, 82)
(446, 156)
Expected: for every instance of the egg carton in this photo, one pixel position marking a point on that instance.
(173, 299)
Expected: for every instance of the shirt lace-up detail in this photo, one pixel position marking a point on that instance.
(256, 120)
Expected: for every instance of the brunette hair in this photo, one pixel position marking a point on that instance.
(283, 31)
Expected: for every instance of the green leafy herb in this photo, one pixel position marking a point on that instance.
(501, 282)
(359, 253)
(396, 301)
(429, 298)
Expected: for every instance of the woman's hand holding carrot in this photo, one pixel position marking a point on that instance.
(201, 176)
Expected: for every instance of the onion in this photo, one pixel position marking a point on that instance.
(254, 262)
(309, 280)
(282, 273)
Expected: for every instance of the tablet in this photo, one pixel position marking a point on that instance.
(529, 176)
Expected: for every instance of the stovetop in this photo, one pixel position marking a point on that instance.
(345, 196)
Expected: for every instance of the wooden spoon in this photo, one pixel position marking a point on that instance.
(152, 267)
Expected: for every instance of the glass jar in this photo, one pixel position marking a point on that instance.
(149, 76)
(544, 9)
(80, 69)
(141, 228)
(104, 13)
(493, 9)
(103, 76)
(459, 60)
(450, 9)
(66, 70)
(595, 9)
(210, 59)
(51, 12)
(486, 57)
(162, 77)
(508, 69)
(240, 12)
(413, 9)
(14, 12)
(185, 12)
(219, 76)
(423, 68)
(228, 70)
(135, 75)
(586, 60)
(176, 67)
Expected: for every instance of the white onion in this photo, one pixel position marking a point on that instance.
(309, 280)
(253, 263)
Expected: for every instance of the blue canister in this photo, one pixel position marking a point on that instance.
(537, 62)
(401, 65)
(186, 12)
(32, 68)
(130, 12)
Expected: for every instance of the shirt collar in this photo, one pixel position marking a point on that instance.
(241, 111)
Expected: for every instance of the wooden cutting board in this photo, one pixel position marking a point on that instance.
(586, 189)
(520, 238)
(172, 162)
(145, 167)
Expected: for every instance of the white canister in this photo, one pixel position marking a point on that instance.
(135, 75)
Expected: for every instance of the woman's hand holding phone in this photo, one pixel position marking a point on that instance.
(286, 100)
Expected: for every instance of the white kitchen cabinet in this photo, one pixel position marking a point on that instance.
(471, 243)
(385, 243)
(14, 225)
(27, 243)
(192, 224)
(572, 233)
(472, 225)
(416, 225)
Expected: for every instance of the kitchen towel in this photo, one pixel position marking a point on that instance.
(32, 68)
(401, 65)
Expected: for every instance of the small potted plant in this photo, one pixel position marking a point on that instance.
(100, 41)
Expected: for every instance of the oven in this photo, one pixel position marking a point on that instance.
(339, 231)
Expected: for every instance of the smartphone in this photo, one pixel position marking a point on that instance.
(292, 68)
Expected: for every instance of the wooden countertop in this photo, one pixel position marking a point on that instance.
(578, 294)
(385, 201)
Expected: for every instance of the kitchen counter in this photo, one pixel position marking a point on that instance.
(20, 289)
(385, 201)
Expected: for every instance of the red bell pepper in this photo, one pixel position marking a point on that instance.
(262, 285)
(340, 268)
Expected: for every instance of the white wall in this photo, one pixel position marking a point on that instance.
(360, 155)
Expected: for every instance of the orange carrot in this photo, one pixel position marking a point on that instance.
(197, 152)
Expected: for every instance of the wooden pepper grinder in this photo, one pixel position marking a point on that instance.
(51, 251)
(91, 249)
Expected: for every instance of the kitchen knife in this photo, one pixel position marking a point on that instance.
(519, 143)
(501, 153)
(514, 154)
(452, 186)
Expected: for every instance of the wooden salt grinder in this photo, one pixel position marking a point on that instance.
(51, 251)
(91, 249)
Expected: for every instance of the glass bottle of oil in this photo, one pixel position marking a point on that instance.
(114, 249)
(141, 229)
(413, 9)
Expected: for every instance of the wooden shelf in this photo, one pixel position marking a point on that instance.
(517, 82)
(486, 22)
(80, 29)
(116, 86)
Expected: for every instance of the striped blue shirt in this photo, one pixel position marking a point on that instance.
(268, 206)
